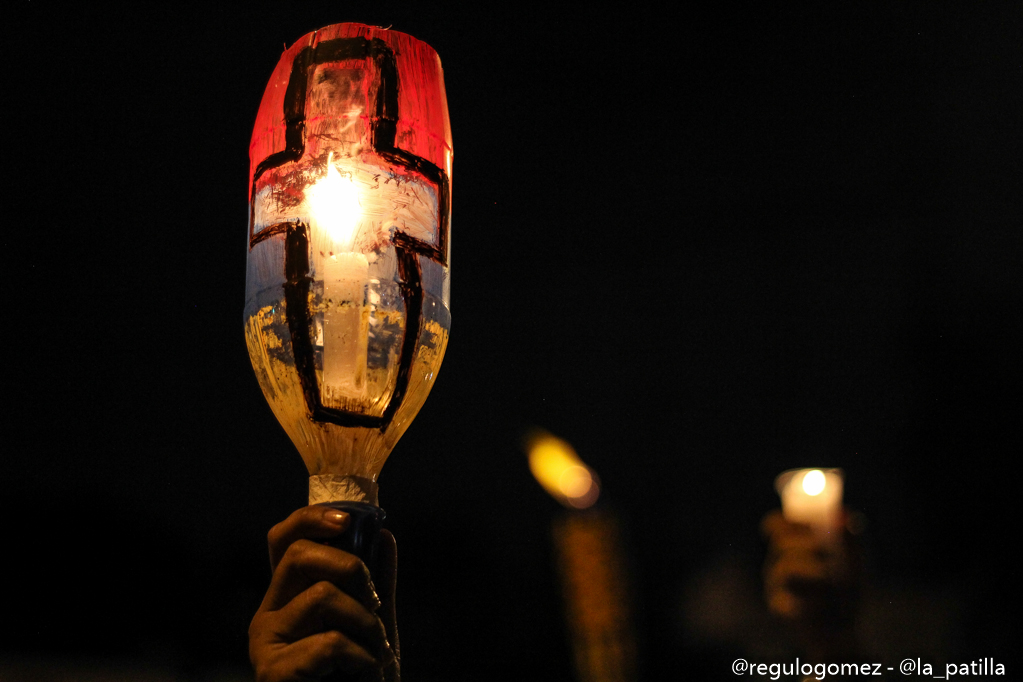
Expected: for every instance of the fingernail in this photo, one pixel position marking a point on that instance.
(336, 518)
(374, 596)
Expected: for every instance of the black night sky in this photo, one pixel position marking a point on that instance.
(702, 246)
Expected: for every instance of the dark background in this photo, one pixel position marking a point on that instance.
(702, 246)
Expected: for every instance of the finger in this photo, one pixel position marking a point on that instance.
(795, 568)
(324, 607)
(306, 563)
(315, 522)
(808, 543)
(775, 526)
(320, 654)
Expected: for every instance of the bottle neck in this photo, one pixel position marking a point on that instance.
(342, 488)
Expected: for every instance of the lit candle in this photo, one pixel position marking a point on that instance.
(812, 497)
(336, 212)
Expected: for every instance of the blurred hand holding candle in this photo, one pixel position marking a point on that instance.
(813, 568)
(812, 497)
(591, 564)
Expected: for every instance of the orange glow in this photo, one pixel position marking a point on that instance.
(557, 468)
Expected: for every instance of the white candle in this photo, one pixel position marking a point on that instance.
(335, 210)
(812, 497)
(345, 326)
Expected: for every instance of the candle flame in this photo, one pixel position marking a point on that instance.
(334, 200)
(557, 468)
(814, 482)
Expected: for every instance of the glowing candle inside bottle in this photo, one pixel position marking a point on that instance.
(336, 211)
(812, 497)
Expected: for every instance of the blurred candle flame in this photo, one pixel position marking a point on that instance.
(557, 468)
(814, 482)
(334, 200)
